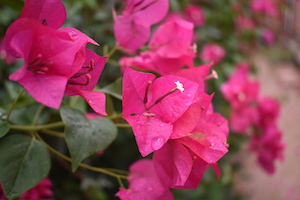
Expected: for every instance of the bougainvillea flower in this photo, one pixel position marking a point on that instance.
(151, 61)
(144, 183)
(172, 39)
(131, 33)
(194, 14)
(212, 53)
(266, 7)
(268, 146)
(151, 106)
(42, 191)
(48, 12)
(181, 163)
(132, 28)
(241, 120)
(51, 57)
(7, 58)
(83, 82)
(268, 36)
(197, 74)
(239, 90)
(244, 23)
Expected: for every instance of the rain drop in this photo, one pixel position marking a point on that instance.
(157, 142)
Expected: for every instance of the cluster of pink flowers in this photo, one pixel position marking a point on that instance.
(170, 49)
(56, 61)
(262, 21)
(254, 115)
(173, 117)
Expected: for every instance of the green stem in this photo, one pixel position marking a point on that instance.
(53, 133)
(96, 169)
(115, 116)
(37, 128)
(123, 125)
(14, 104)
(37, 114)
(73, 103)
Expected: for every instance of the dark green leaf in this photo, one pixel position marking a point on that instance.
(24, 162)
(85, 137)
(4, 128)
(114, 89)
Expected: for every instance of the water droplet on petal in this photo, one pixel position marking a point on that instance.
(140, 123)
(158, 142)
(189, 95)
(162, 125)
(187, 103)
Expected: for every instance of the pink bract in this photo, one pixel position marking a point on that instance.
(172, 39)
(212, 53)
(51, 13)
(40, 191)
(132, 28)
(144, 183)
(152, 106)
(195, 15)
(51, 57)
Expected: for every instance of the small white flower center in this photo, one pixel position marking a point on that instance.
(179, 86)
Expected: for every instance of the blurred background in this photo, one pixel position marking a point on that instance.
(268, 40)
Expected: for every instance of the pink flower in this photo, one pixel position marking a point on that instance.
(132, 28)
(51, 57)
(268, 36)
(181, 162)
(144, 183)
(83, 82)
(239, 90)
(244, 23)
(268, 146)
(51, 13)
(212, 53)
(266, 7)
(42, 191)
(159, 108)
(169, 52)
(172, 39)
(195, 15)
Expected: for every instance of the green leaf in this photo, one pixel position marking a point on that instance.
(16, 4)
(4, 128)
(114, 89)
(85, 137)
(24, 162)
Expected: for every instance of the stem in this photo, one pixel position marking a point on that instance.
(53, 133)
(37, 114)
(123, 125)
(73, 103)
(37, 128)
(115, 116)
(96, 169)
(14, 104)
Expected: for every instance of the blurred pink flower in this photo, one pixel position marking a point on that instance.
(170, 49)
(267, 7)
(194, 14)
(268, 36)
(144, 183)
(132, 28)
(42, 191)
(244, 23)
(212, 53)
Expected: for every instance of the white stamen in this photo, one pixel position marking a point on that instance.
(179, 86)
